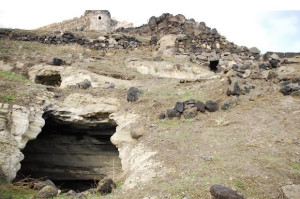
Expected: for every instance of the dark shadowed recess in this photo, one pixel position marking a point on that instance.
(74, 156)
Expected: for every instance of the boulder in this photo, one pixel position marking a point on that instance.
(254, 50)
(291, 191)
(133, 94)
(190, 113)
(220, 192)
(106, 186)
(41, 184)
(211, 106)
(47, 192)
(172, 113)
(200, 106)
(179, 106)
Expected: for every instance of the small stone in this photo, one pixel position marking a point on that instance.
(211, 106)
(106, 186)
(274, 63)
(109, 85)
(162, 116)
(137, 133)
(179, 106)
(220, 192)
(190, 113)
(41, 184)
(47, 192)
(56, 61)
(227, 105)
(133, 94)
(83, 85)
(171, 113)
(200, 106)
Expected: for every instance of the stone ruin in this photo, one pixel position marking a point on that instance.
(99, 20)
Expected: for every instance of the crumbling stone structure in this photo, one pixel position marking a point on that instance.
(99, 20)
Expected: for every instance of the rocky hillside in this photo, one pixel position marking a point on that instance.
(170, 109)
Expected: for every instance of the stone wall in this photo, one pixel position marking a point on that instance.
(115, 41)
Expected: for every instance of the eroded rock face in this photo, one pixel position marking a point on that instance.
(18, 125)
(65, 77)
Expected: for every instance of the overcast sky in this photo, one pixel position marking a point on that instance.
(271, 25)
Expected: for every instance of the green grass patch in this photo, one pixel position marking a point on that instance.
(8, 75)
(240, 184)
(7, 98)
(296, 166)
(8, 191)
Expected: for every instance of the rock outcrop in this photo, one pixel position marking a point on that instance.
(18, 125)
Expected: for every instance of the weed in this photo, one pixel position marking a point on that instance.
(8, 75)
(296, 166)
(239, 184)
(7, 98)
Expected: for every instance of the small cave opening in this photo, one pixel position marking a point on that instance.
(49, 79)
(99, 18)
(73, 156)
(213, 65)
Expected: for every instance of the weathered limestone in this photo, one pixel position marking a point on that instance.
(137, 160)
(70, 76)
(18, 125)
(169, 70)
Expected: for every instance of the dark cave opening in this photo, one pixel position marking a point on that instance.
(73, 156)
(49, 80)
(213, 65)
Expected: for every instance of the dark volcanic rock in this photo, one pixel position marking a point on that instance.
(227, 105)
(57, 61)
(211, 106)
(200, 106)
(171, 113)
(274, 63)
(162, 116)
(289, 88)
(133, 94)
(179, 106)
(220, 192)
(106, 186)
(236, 90)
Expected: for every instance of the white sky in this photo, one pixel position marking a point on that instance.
(251, 23)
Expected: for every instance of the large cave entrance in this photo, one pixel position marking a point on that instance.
(73, 156)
